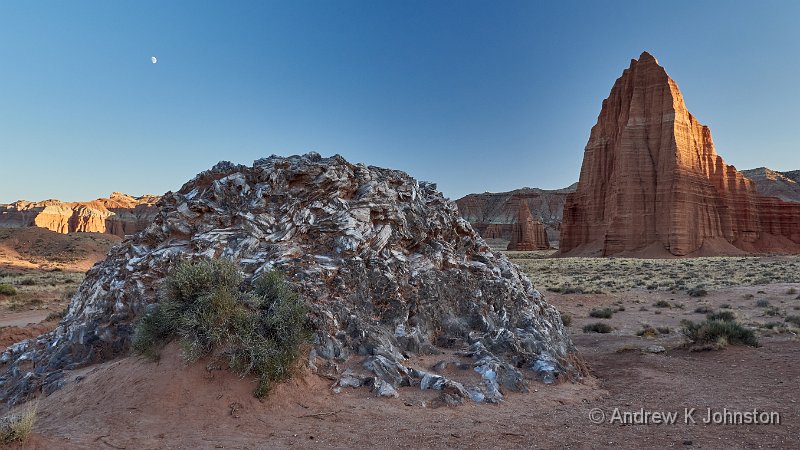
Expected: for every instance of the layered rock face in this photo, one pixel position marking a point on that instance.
(119, 214)
(493, 214)
(651, 183)
(527, 234)
(388, 266)
(771, 183)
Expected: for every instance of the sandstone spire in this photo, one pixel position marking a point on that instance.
(652, 184)
(527, 234)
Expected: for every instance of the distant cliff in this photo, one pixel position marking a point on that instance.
(493, 214)
(784, 185)
(119, 214)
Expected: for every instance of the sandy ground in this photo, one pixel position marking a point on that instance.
(133, 403)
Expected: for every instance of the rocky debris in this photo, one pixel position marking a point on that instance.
(654, 349)
(652, 184)
(389, 267)
(493, 215)
(528, 234)
(771, 183)
(120, 214)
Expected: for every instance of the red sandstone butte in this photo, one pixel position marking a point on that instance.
(652, 185)
(120, 214)
(527, 234)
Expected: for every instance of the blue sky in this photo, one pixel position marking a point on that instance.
(476, 96)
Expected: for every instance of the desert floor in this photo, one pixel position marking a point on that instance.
(134, 403)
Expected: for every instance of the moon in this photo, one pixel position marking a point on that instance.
(153, 59)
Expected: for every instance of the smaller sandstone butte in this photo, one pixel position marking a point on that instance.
(652, 184)
(771, 183)
(493, 214)
(120, 215)
(528, 234)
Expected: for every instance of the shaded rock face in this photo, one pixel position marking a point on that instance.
(389, 267)
(527, 234)
(651, 183)
(119, 214)
(493, 214)
(771, 183)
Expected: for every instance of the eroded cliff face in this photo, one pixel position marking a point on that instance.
(528, 233)
(493, 214)
(120, 215)
(652, 184)
(771, 183)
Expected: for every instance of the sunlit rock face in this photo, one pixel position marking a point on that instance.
(389, 267)
(119, 214)
(652, 183)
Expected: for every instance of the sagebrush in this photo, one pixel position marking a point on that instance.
(258, 330)
(17, 427)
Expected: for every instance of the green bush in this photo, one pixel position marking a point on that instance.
(604, 313)
(714, 334)
(762, 303)
(7, 289)
(566, 319)
(259, 331)
(598, 327)
(795, 320)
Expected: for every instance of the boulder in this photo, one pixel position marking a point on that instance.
(388, 266)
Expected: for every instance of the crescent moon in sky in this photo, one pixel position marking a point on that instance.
(153, 59)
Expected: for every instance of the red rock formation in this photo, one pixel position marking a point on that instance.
(493, 214)
(651, 183)
(119, 214)
(528, 234)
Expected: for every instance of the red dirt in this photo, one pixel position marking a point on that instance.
(134, 403)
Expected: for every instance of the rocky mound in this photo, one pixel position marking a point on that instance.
(652, 184)
(389, 267)
(120, 215)
(493, 214)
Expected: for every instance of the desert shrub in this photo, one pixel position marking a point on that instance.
(604, 313)
(795, 320)
(791, 291)
(27, 282)
(7, 289)
(725, 306)
(597, 327)
(259, 331)
(763, 303)
(715, 334)
(697, 292)
(647, 332)
(773, 325)
(17, 427)
(772, 311)
(663, 330)
(703, 310)
(566, 319)
(662, 304)
(724, 316)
